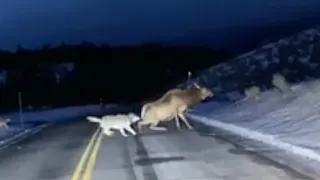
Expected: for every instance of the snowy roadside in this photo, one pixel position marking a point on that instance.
(34, 122)
(13, 135)
(268, 147)
(285, 129)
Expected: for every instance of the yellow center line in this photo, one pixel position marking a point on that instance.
(92, 159)
(80, 165)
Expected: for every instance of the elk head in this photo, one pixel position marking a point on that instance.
(205, 92)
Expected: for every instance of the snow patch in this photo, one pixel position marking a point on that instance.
(255, 135)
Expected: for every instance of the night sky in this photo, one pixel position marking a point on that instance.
(33, 23)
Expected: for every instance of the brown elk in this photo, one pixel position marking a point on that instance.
(172, 105)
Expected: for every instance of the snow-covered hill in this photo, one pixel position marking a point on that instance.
(283, 126)
(297, 58)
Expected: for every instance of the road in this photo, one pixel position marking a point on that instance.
(54, 154)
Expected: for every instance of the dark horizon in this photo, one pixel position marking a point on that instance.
(98, 74)
(160, 41)
(165, 65)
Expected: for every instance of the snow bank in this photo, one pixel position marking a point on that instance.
(34, 121)
(284, 128)
(59, 114)
(297, 58)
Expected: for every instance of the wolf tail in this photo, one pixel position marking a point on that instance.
(94, 119)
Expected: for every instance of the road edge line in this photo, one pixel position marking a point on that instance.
(22, 135)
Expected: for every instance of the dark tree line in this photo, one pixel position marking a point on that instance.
(122, 74)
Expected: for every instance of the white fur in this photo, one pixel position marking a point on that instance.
(119, 122)
(252, 92)
(4, 122)
(281, 83)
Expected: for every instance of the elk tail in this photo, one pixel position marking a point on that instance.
(144, 109)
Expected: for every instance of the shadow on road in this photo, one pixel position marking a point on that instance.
(237, 149)
(155, 160)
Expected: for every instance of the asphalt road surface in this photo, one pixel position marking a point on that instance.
(58, 153)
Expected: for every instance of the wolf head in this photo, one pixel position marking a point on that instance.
(4, 120)
(133, 117)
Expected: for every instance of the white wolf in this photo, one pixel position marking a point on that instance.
(252, 93)
(119, 122)
(4, 122)
(281, 83)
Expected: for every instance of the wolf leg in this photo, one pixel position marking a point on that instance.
(131, 130)
(123, 133)
(185, 121)
(108, 132)
(6, 126)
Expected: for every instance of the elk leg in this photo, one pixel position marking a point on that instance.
(185, 120)
(139, 126)
(108, 132)
(141, 123)
(177, 122)
(154, 126)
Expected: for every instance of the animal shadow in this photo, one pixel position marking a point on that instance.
(208, 132)
(154, 160)
(260, 159)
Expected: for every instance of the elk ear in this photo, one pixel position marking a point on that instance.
(189, 74)
(196, 85)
